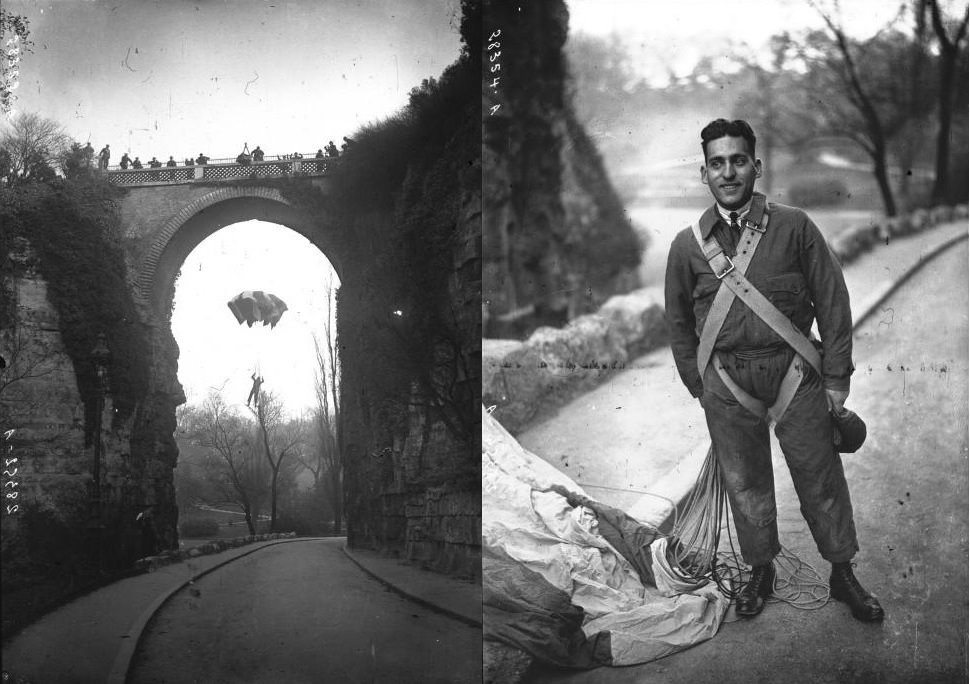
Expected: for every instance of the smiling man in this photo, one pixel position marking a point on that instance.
(743, 287)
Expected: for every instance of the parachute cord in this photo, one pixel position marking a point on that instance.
(695, 553)
(798, 583)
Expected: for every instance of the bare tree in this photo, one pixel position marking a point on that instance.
(872, 137)
(328, 421)
(194, 485)
(950, 52)
(236, 467)
(327, 452)
(912, 142)
(322, 459)
(280, 439)
(859, 90)
(34, 146)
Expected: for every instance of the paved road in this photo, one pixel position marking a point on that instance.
(909, 488)
(301, 612)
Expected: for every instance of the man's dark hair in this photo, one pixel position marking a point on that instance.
(719, 128)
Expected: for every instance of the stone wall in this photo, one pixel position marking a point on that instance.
(444, 530)
(411, 486)
(56, 449)
(521, 378)
(41, 402)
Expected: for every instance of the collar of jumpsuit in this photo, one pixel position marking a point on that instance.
(739, 214)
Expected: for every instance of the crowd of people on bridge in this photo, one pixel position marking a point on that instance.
(245, 158)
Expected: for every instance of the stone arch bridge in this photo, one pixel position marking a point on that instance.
(167, 212)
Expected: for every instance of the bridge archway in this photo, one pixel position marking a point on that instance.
(202, 217)
(163, 225)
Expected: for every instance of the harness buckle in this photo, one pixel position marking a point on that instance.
(730, 267)
(748, 223)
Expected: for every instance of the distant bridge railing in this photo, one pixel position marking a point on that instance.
(224, 169)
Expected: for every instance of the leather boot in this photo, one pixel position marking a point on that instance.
(844, 587)
(751, 600)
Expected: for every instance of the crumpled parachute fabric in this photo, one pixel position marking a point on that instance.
(557, 588)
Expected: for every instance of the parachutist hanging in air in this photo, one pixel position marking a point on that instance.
(256, 306)
(254, 392)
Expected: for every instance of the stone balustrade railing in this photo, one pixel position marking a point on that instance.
(223, 169)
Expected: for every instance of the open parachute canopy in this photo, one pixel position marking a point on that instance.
(254, 306)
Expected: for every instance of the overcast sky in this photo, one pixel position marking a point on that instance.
(674, 35)
(218, 353)
(179, 78)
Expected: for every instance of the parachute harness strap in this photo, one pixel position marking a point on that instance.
(695, 551)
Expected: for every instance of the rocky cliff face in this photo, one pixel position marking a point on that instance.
(412, 476)
(66, 524)
(409, 326)
(557, 241)
(40, 400)
(153, 449)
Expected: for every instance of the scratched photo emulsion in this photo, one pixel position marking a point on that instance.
(240, 341)
(725, 341)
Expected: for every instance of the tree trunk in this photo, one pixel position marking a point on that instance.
(942, 181)
(247, 508)
(272, 500)
(881, 171)
(768, 153)
(274, 466)
(950, 53)
(338, 517)
(335, 494)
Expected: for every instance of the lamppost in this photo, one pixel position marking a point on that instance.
(100, 356)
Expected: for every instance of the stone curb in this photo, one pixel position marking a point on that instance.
(852, 243)
(122, 662)
(153, 563)
(876, 299)
(519, 378)
(412, 597)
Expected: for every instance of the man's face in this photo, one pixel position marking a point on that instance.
(730, 172)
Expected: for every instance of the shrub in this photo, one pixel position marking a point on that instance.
(306, 513)
(818, 193)
(199, 527)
